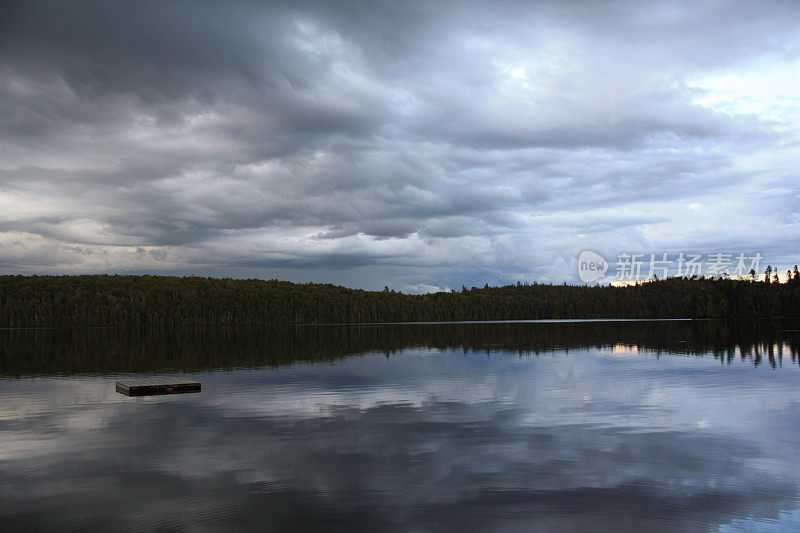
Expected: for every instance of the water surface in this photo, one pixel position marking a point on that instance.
(499, 427)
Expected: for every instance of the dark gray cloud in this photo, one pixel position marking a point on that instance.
(494, 140)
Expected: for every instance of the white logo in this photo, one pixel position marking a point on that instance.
(591, 266)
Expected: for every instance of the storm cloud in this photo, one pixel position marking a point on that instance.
(420, 146)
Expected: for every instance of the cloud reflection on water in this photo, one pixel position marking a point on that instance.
(443, 441)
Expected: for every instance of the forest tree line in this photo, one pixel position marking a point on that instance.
(112, 300)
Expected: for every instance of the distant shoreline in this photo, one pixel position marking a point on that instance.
(106, 300)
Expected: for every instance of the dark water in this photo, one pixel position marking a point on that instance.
(677, 426)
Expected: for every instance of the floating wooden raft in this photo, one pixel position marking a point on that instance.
(147, 387)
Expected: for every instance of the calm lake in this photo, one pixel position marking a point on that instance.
(543, 426)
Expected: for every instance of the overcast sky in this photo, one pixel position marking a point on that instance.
(419, 145)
